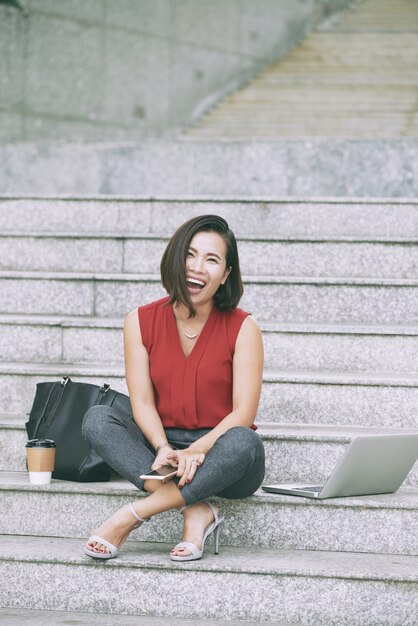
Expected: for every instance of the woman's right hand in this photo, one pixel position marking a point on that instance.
(161, 458)
(187, 463)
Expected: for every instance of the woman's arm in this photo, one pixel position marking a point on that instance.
(139, 383)
(247, 373)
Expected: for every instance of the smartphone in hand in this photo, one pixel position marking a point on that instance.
(165, 472)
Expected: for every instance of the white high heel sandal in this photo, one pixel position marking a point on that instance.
(113, 550)
(213, 527)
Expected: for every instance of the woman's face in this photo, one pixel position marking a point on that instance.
(206, 266)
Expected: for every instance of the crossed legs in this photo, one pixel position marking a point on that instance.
(233, 468)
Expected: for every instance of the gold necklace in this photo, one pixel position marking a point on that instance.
(193, 336)
(190, 336)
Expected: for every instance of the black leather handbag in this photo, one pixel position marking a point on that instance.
(57, 413)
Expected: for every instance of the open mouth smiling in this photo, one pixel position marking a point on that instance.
(194, 283)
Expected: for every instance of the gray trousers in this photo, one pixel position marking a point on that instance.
(233, 468)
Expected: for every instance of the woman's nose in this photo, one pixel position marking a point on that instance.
(196, 264)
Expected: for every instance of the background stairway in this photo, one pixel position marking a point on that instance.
(334, 287)
(354, 77)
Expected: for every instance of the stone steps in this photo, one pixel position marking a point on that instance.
(142, 254)
(371, 107)
(361, 83)
(287, 132)
(344, 366)
(269, 298)
(355, 125)
(382, 524)
(330, 122)
(326, 397)
(404, 19)
(295, 452)
(375, 42)
(381, 220)
(305, 75)
(34, 617)
(348, 95)
(365, 116)
(268, 169)
(263, 584)
(61, 339)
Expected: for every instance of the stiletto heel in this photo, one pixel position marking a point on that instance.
(213, 527)
(113, 550)
(217, 530)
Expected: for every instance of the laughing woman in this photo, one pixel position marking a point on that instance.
(194, 363)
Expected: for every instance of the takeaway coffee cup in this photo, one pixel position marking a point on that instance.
(40, 456)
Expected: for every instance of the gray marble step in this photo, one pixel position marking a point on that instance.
(373, 524)
(298, 452)
(315, 218)
(247, 583)
(321, 397)
(269, 298)
(340, 398)
(254, 168)
(60, 339)
(271, 255)
(36, 617)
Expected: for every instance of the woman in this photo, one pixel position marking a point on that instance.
(194, 366)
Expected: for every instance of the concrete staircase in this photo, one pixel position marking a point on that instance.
(333, 284)
(354, 77)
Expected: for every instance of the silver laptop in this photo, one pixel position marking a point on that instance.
(370, 465)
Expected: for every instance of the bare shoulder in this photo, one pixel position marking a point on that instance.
(249, 331)
(132, 315)
(131, 318)
(131, 325)
(250, 326)
(249, 350)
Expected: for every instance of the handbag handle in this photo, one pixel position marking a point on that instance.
(101, 393)
(63, 383)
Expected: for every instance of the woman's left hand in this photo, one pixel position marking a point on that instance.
(188, 462)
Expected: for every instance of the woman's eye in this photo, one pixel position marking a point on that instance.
(213, 260)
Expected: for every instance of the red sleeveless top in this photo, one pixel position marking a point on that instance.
(195, 391)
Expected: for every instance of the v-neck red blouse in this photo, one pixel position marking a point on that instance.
(195, 391)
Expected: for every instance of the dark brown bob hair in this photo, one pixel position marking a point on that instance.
(173, 263)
